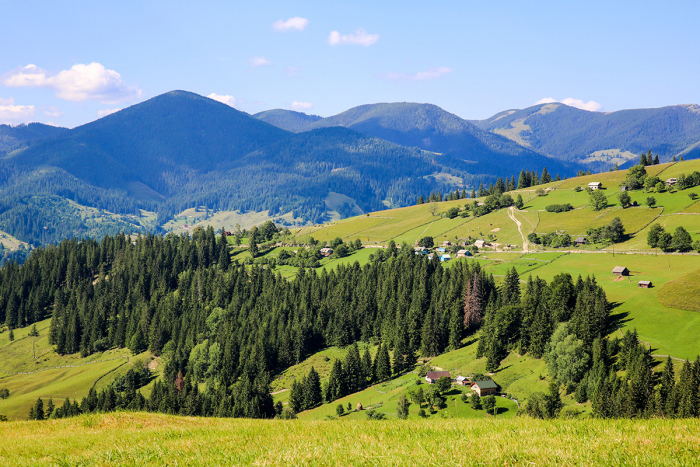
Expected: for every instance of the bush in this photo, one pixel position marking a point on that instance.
(4, 393)
(452, 213)
(426, 242)
(559, 207)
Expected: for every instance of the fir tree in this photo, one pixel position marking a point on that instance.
(382, 364)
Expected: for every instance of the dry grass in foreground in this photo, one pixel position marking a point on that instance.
(127, 439)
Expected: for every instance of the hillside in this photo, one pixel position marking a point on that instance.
(19, 136)
(429, 127)
(601, 138)
(287, 119)
(179, 151)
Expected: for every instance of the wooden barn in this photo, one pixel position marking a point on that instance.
(620, 271)
(485, 388)
(644, 284)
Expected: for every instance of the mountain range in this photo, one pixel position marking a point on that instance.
(180, 150)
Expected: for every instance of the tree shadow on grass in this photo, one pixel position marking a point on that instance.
(502, 368)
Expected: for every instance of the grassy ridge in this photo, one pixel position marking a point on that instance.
(126, 439)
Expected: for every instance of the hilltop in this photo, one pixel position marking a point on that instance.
(601, 139)
(431, 128)
(180, 151)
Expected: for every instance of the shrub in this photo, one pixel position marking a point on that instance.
(559, 207)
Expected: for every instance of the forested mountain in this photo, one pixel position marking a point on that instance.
(180, 150)
(287, 119)
(572, 134)
(431, 128)
(15, 137)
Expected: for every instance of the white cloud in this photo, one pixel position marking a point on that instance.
(11, 113)
(360, 37)
(224, 99)
(53, 112)
(433, 73)
(292, 23)
(591, 106)
(259, 61)
(80, 83)
(105, 112)
(301, 105)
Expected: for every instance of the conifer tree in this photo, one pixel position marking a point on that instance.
(367, 372)
(296, 397)
(312, 390)
(382, 364)
(546, 178)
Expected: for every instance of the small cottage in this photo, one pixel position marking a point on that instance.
(462, 381)
(446, 257)
(644, 284)
(442, 249)
(620, 271)
(595, 185)
(671, 181)
(485, 388)
(580, 241)
(326, 251)
(463, 253)
(624, 188)
(432, 376)
(446, 243)
(480, 243)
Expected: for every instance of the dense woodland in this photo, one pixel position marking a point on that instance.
(234, 326)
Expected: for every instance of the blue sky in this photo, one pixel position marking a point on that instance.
(70, 62)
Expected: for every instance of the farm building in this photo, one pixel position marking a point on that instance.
(462, 381)
(326, 251)
(433, 376)
(624, 188)
(442, 249)
(671, 181)
(446, 257)
(580, 241)
(480, 243)
(595, 185)
(485, 388)
(447, 243)
(621, 271)
(463, 253)
(644, 284)
(419, 250)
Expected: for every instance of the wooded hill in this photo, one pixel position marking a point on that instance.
(180, 150)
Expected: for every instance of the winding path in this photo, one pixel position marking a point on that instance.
(511, 214)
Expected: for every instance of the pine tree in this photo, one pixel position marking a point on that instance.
(553, 402)
(522, 181)
(420, 200)
(665, 392)
(367, 372)
(546, 178)
(473, 195)
(312, 390)
(382, 364)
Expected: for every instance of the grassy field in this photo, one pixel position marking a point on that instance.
(51, 375)
(682, 293)
(126, 439)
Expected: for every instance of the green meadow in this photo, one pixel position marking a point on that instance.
(126, 439)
